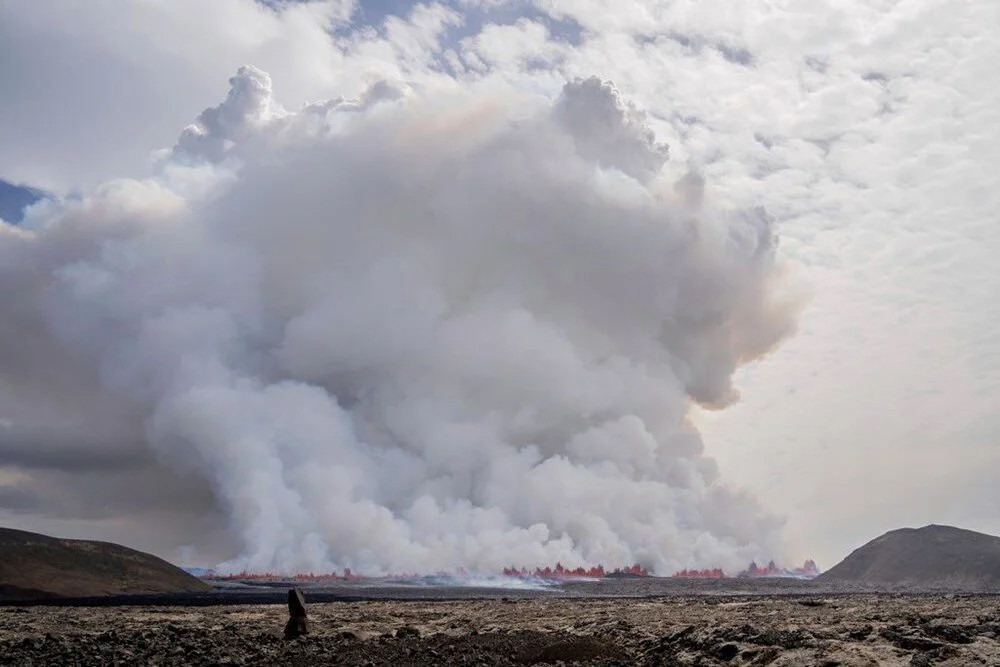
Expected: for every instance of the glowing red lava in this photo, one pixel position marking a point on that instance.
(807, 571)
(753, 571)
(560, 572)
(714, 573)
(347, 575)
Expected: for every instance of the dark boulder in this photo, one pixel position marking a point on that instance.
(297, 624)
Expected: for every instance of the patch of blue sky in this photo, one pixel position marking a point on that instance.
(14, 199)
(508, 13)
(374, 13)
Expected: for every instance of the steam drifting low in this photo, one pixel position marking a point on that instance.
(413, 332)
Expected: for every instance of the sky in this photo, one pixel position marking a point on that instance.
(863, 353)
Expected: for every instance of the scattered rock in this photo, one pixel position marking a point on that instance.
(812, 602)
(679, 635)
(925, 658)
(909, 642)
(787, 639)
(570, 649)
(766, 656)
(726, 652)
(929, 630)
(955, 634)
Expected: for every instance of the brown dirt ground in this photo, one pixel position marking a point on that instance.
(845, 630)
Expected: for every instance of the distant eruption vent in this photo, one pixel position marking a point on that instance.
(807, 571)
(560, 572)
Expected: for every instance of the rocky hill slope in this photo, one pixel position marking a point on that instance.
(37, 566)
(932, 556)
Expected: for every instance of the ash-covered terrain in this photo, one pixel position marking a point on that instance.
(705, 630)
(844, 619)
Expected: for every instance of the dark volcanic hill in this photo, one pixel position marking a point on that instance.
(932, 556)
(36, 566)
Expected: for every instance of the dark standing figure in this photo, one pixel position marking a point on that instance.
(296, 625)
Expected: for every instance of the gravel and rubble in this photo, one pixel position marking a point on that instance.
(704, 630)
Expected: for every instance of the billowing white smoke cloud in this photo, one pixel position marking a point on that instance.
(418, 332)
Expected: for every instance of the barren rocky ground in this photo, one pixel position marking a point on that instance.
(702, 630)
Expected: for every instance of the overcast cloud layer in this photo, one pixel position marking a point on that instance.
(868, 130)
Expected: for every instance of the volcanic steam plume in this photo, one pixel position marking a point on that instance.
(413, 332)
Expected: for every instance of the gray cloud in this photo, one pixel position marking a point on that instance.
(867, 130)
(46, 452)
(609, 130)
(410, 334)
